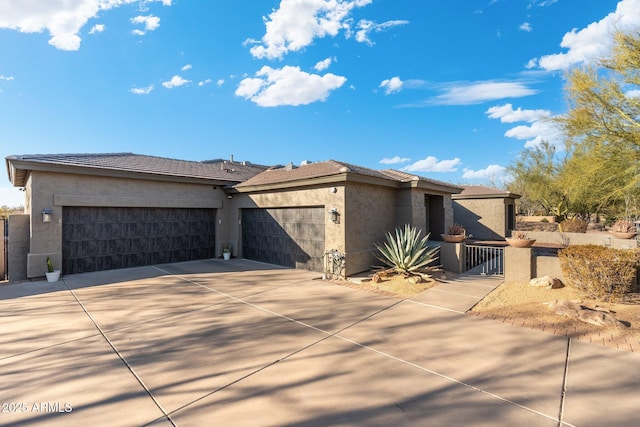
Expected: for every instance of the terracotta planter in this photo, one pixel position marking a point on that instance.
(520, 243)
(621, 235)
(452, 238)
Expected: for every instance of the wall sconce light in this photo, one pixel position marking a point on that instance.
(46, 215)
(229, 196)
(335, 216)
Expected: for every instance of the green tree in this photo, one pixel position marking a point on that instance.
(602, 128)
(535, 177)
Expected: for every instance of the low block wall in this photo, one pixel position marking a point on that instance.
(561, 239)
(535, 218)
(547, 266)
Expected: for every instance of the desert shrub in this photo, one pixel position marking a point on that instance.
(405, 252)
(457, 229)
(598, 271)
(520, 235)
(573, 225)
(623, 226)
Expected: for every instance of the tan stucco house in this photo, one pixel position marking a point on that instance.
(486, 213)
(92, 212)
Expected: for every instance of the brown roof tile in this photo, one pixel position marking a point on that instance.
(214, 170)
(483, 191)
(290, 173)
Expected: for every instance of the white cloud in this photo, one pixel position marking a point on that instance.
(323, 65)
(392, 85)
(288, 86)
(186, 67)
(220, 82)
(98, 28)
(394, 160)
(150, 23)
(525, 26)
(63, 19)
(204, 82)
(176, 81)
(297, 23)
(8, 78)
(142, 90)
(483, 91)
(595, 40)
(367, 27)
(633, 93)
(507, 114)
(491, 173)
(540, 129)
(432, 164)
(537, 133)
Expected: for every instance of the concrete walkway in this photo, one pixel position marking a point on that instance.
(248, 344)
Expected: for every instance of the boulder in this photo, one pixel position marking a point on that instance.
(547, 282)
(578, 311)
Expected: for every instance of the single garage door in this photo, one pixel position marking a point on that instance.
(99, 238)
(291, 237)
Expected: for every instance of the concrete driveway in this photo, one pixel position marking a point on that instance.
(240, 343)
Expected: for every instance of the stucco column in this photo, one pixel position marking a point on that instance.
(518, 265)
(452, 257)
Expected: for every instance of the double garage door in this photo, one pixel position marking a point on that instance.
(291, 237)
(99, 238)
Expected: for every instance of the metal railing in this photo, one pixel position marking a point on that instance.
(485, 260)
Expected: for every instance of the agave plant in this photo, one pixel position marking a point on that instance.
(405, 252)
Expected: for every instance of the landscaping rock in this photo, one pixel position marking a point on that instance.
(577, 311)
(547, 282)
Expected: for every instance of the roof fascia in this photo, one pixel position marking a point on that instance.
(433, 186)
(27, 166)
(486, 196)
(343, 177)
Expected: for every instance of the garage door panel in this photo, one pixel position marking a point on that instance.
(291, 237)
(107, 238)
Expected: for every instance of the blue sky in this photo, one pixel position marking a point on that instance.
(451, 90)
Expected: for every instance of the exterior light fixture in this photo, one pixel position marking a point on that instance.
(335, 215)
(46, 215)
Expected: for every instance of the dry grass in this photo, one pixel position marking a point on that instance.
(525, 303)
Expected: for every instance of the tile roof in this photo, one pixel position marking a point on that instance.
(219, 170)
(483, 191)
(290, 173)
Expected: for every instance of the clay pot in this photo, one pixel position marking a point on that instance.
(520, 243)
(452, 238)
(621, 235)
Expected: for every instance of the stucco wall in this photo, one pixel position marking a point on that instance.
(55, 190)
(18, 247)
(483, 218)
(370, 213)
(2, 252)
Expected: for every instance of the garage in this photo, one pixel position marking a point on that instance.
(290, 237)
(105, 238)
